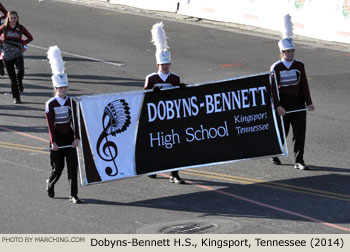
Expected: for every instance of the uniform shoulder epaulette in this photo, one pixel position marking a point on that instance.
(48, 102)
(275, 64)
(299, 61)
(150, 75)
(174, 74)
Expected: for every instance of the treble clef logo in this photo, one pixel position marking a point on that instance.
(116, 119)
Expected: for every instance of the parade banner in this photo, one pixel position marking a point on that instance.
(141, 133)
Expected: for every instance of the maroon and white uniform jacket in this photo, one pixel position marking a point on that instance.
(58, 113)
(291, 80)
(161, 80)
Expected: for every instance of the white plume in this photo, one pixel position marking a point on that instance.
(287, 31)
(55, 58)
(159, 37)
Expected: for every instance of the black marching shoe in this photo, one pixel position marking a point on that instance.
(301, 166)
(17, 101)
(74, 199)
(50, 190)
(276, 161)
(176, 180)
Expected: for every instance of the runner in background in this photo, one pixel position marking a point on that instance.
(15, 38)
(2, 20)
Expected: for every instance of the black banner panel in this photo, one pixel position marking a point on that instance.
(205, 124)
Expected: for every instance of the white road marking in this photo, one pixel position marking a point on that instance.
(81, 56)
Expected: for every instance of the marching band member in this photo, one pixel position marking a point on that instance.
(163, 78)
(60, 119)
(13, 44)
(294, 94)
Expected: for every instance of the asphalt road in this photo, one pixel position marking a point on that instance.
(108, 50)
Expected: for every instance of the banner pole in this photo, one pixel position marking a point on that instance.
(80, 146)
(285, 146)
(59, 147)
(293, 111)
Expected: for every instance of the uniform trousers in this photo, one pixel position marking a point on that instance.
(57, 163)
(175, 173)
(298, 122)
